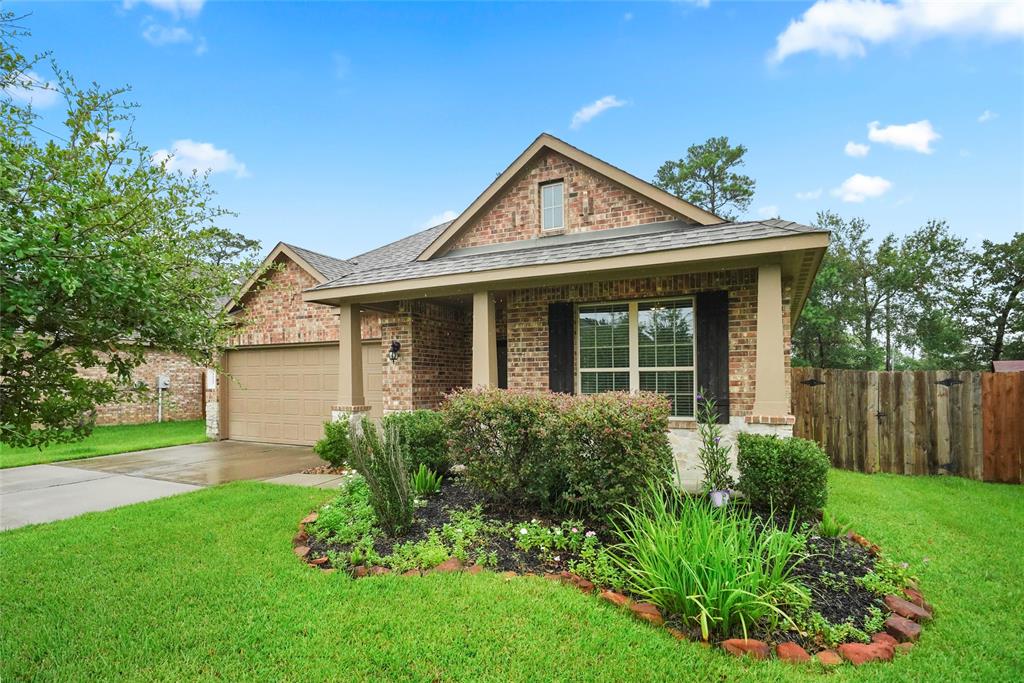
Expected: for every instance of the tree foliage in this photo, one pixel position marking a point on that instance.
(706, 177)
(103, 254)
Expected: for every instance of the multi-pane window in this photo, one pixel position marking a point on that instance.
(604, 348)
(552, 206)
(646, 346)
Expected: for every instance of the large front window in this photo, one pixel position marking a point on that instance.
(646, 346)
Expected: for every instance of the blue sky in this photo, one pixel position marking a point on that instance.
(339, 127)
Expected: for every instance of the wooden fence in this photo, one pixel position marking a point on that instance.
(970, 424)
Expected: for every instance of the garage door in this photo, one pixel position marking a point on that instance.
(285, 394)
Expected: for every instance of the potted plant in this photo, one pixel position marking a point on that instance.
(714, 451)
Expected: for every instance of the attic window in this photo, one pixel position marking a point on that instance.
(552, 206)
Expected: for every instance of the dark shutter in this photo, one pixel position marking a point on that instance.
(713, 348)
(560, 347)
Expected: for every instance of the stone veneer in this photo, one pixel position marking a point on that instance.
(592, 202)
(183, 401)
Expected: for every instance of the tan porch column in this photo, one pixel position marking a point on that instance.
(350, 363)
(485, 347)
(770, 387)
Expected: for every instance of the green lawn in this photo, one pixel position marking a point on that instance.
(109, 440)
(204, 585)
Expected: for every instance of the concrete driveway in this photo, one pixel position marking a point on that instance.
(44, 493)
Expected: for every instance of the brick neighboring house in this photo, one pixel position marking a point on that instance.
(565, 274)
(184, 399)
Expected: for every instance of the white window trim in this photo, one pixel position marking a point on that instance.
(634, 368)
(561, 207)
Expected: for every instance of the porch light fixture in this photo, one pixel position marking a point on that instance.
(396, 346)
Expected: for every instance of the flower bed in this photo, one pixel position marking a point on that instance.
(860, 607)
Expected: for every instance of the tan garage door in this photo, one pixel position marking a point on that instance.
(285, 394)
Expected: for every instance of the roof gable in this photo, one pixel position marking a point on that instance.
(320, 267)
(544, 144)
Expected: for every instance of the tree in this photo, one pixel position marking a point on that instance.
(103, 254)
(997, 299)
(706, 178)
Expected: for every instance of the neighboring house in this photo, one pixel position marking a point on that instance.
(565, 274)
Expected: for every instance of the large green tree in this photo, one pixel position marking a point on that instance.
(996, 301)
(707, 178)
(103, 254)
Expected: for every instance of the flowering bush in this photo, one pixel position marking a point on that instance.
(541, 449)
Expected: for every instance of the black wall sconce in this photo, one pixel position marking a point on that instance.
(393, 350)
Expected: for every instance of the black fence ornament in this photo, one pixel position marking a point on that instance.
(812, 382)
(949, 382)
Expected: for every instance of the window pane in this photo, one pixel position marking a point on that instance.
(666, 334)
(604, 336)
(596, 382)
(551, 206)
(677, 386)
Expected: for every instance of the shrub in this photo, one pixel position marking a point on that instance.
(379, 459)
(425, 482)
(423, 438)
(611, 445)
(714, 568)
(783, 474)
(335, 447)
(503, 439)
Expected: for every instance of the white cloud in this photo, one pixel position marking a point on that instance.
(855, 149)
(440, 218)
(987, 116)
(31, 88)
(201, 46)
(770, 211)
(177, 8)
(158, 34)
(810, 194)
(189, 155)
(593, 109)
(845, 28)
(916, 136)
(859, 187)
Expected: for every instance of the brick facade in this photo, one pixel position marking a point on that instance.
(183, 401)
(275, 313)
(436, 354)
(592, 202)
(527, 324)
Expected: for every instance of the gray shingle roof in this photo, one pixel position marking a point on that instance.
(328, 265)
(397, 261)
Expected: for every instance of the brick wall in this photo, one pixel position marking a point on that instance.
(276, 314)
(436, 354)
(592, 202)
(528, 324)
(183, 401)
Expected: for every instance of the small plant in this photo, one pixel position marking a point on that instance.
(833, 634)
(597, 564)
(887, 577)
(379, 459)
(831, 525)
(715, 568)
(336, 446)
(783, 474)
(714, 452)
(424, 554)
(425, 482)
(347, 518)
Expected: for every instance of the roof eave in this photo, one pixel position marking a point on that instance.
(281, 248)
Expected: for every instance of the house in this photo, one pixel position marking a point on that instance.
(566, 274)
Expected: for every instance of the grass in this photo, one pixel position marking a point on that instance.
(107, 441)
(204, 586)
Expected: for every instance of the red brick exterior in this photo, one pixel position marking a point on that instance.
(275, 313)
(436, 354)
(183, 401)
(592, 202)
(528, 324)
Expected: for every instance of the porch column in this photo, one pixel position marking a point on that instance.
(770, 381)
(485, 347)
(350, 363)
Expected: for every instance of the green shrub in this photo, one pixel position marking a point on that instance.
(714, 568)
(783, 474)
(425, 482)
(348, 517)
(611, 445)
(503, 439)
(379, 459)
(335, 447)
(424, 441)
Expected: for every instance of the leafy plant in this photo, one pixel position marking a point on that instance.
(424, 440)
(335, 446)
(424, 554)
(596, 563)
(379, 460)
(887, 577)
(783, 474)
(713, 452)
(348, 517)
(425, 482)
(831, 525)
(833, 634)
(714, 568)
